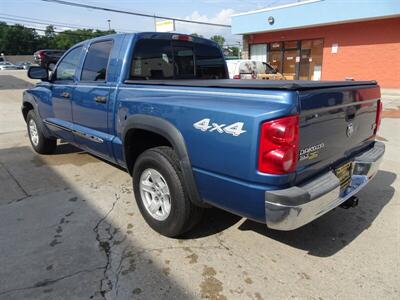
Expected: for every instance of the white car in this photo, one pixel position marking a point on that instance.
(5, 65)
(251, 69)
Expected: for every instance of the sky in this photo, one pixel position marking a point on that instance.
(215, 11)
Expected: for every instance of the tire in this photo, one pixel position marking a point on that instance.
(39, 142)
(183, 215)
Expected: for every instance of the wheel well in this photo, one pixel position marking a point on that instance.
(26, 108)
(139, 140)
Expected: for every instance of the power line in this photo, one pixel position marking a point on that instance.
(134, 13)
(48, 22)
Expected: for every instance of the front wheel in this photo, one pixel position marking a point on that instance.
(39, 142)
(160, 193)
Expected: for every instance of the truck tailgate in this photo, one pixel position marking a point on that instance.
(335, 124)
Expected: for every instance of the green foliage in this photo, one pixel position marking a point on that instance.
(17, 39)
(219, 39)
(234, 51)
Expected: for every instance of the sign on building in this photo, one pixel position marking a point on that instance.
(165, 26)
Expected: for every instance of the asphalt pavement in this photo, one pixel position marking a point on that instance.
(70, 229)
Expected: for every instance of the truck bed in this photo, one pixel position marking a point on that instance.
(298, 85)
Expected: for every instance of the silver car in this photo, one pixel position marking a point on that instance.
(5, 65)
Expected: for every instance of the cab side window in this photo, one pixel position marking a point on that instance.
(67, 67)
(95, 66)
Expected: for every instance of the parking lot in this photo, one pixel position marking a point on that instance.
(70, 229)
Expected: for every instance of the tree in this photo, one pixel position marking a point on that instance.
(219, 39)
(17, 39)
(68, 38)
(234, 51)
(49, 32)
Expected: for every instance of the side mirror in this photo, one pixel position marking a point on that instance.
(35, 72)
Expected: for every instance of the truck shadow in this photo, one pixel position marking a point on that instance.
(66, 234)
(337, 229)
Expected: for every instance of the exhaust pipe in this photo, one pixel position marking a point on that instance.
(351, 202)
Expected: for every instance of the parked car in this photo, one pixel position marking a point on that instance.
(278, 152)
(5, 65)
(23, 65)
(252, 69)
(48, 58)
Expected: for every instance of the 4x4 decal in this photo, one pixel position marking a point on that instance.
(234, 129)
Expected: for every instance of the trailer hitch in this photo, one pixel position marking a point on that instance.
(351, 202)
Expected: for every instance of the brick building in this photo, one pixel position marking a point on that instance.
(326, 39)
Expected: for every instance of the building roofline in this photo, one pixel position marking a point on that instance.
(276, 7)
(320, 25)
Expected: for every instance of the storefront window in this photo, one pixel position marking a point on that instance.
(297, 59)
(275, 60)
(258, 52)
(311, 59)
(291, 45)
(276, 46)
(289, 64)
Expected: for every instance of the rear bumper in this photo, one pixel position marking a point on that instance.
(294, 207)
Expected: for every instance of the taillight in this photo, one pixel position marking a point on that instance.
(182, 37)
(379, 107)
(236, 77)
(279, 145)
(40, 54)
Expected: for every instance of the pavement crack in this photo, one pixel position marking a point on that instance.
(106, 284)
(48, 282)
(26, 194)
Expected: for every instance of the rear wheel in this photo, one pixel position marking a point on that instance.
(39, 142)
(160, 193)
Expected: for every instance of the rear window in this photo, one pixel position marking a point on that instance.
(210, 63)
(152, 60)
(161, 59)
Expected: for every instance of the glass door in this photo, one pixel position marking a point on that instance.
(289, 65)
(275, 60)
(311, 59)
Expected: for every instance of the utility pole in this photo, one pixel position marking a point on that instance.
(109, 25)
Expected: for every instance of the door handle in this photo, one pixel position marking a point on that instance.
(100, 99)
(65, 95)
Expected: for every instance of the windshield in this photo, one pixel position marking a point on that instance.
(268, 68)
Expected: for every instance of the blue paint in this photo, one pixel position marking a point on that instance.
(224, 166)
(313, 13)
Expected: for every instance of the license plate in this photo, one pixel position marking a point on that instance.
(344, 174)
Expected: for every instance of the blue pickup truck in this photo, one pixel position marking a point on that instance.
(160, 105)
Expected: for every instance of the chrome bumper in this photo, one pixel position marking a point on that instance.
(294, 207)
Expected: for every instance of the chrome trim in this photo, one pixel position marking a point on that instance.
(294, 207)
(76, 132)
(56, 125)
(88, 136)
